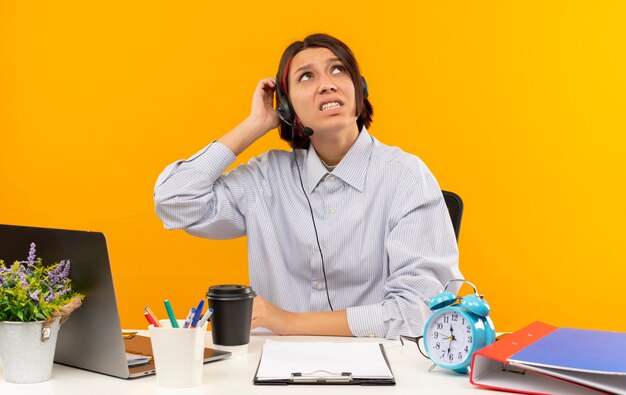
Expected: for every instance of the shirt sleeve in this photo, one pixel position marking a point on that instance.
(422, 256)
(193, 194)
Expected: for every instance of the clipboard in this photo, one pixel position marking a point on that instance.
(288, 363)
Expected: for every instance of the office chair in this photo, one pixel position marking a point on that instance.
(455, 208)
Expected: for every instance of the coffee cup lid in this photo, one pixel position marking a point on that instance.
(230, 291)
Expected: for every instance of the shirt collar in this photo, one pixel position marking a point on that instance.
(352, 169)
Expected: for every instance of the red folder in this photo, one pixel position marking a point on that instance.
(543, 359)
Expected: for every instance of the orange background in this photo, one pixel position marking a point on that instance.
(518, 107)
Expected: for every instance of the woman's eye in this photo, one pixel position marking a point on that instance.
(305, 77)
(337, 69)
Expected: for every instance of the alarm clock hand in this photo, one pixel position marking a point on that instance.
(451, 338)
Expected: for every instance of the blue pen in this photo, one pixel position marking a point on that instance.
(189, 318)
(170, 313)
(196, 317)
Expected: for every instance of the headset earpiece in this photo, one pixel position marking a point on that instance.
(285, 113)
(282, 106)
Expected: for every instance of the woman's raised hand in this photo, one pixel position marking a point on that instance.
(262, 113)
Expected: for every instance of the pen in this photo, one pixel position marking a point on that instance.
(151, 320)
(196, 317)
(170, 313)
(189, 318)
(205, 317)
(154, 317)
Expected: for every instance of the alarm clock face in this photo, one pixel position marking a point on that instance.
(449, 338)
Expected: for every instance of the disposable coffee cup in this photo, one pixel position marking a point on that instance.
(178, 354)
(232, 314)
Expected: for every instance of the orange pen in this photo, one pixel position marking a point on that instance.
(150, 315)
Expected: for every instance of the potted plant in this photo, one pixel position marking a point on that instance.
(34, 301)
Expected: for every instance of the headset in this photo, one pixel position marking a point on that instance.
(287, 115)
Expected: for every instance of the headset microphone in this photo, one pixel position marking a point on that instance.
(281, 114)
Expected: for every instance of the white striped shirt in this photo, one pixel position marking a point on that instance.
(384, 230)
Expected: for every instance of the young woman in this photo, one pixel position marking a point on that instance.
(346, 236)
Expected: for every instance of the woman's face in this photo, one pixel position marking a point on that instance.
(321, 91)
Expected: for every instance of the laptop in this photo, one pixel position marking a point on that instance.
(91, 338)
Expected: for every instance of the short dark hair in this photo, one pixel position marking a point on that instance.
(364, 109)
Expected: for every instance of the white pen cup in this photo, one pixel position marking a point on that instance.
(178, 354)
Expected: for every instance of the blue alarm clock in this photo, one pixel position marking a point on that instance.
(458, 327)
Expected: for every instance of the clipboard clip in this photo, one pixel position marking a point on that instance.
(321, 376)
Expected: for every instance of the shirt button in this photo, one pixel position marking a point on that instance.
(330, 178)
(371, 335)
(319, 285)
(333, 211)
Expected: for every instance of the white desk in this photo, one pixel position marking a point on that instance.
(234, 376)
